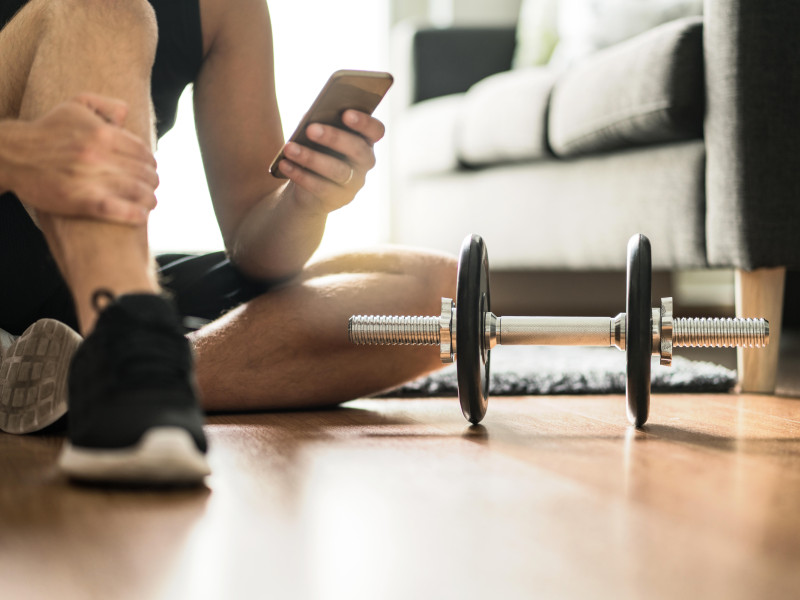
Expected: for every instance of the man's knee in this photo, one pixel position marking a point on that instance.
(124, 25)
(441, 276)
(439, 271)
(432, 276)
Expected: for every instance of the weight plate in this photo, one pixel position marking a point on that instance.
(472, 305)
(638, 333)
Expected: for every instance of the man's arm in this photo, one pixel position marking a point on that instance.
(270, 227)
(76, 160)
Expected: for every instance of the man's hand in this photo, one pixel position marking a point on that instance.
(326, 183)
(77, 160)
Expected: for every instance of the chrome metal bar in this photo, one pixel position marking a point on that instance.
(555, 331)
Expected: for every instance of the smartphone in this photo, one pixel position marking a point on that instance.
(359, 90)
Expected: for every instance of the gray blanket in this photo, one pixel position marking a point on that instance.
(531, 370)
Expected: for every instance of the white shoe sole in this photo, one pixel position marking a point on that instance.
(164, 456)
(33, 376)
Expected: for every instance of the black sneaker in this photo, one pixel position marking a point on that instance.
(134, 416)
(33, 375)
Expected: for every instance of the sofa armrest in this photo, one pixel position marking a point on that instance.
(751, 130)
(440, 61)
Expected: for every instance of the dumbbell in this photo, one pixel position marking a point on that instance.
(467, 330)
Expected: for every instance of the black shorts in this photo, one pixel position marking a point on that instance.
(32, 288)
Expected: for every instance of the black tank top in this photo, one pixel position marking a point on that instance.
(178, 55)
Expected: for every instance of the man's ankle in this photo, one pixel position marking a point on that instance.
(99, 299)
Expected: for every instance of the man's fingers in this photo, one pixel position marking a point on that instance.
(128, 144)
(129, 189)
(115, 210)
(357, 149)
(139, 194)
(115, 112)
(112, 110)
(131, 168)
(331, 168)
(311, 182)
(370, 127)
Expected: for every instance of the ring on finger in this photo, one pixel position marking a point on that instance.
(349, 177)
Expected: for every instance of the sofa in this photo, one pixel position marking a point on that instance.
(686, 132)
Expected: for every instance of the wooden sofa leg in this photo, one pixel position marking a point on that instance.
(759, 293)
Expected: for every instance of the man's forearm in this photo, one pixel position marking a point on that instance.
(277, 236)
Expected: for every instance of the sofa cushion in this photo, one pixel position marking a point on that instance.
(645, 90)
(425, 136)
(504, 118)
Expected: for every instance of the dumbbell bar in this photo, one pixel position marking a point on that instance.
(468, 330)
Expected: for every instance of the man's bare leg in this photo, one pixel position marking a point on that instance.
(45, 51)
(106, 47)
(289, 348)
(134, 416)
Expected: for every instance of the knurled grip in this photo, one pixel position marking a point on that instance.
(560, 331)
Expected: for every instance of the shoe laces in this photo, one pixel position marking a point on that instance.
(142, 351)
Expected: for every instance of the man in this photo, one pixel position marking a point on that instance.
(82, 84)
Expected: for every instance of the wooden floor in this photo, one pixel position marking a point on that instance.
(551, 497)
